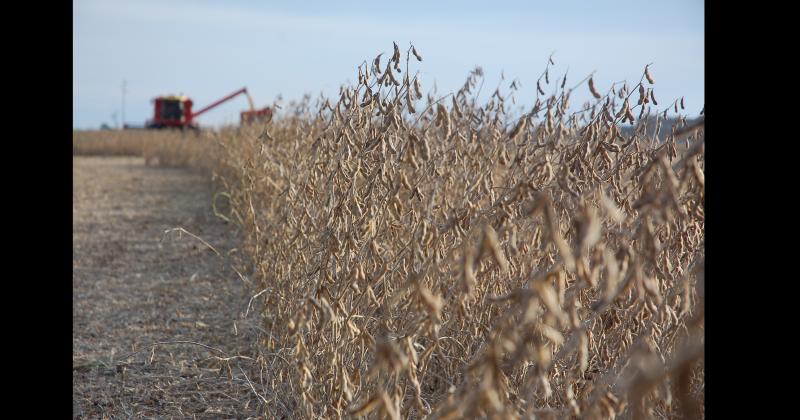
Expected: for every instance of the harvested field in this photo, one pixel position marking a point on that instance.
(133, 287)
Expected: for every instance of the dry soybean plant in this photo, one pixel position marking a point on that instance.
(171, 148)
(423, 256)
(107, 143)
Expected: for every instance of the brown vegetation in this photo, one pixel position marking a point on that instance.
(437, 256)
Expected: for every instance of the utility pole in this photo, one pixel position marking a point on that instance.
(124, 90)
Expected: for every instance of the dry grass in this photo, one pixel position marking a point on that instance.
(436, 256)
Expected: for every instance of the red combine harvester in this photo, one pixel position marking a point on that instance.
(176, 111)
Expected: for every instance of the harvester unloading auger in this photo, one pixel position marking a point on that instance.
(176, 111)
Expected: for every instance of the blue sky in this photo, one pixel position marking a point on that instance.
(207, 49)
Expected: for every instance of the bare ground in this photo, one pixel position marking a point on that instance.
(134, 287)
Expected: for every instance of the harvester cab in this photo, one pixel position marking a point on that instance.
(171, 111)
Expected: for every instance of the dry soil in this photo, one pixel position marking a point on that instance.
(134, 286)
